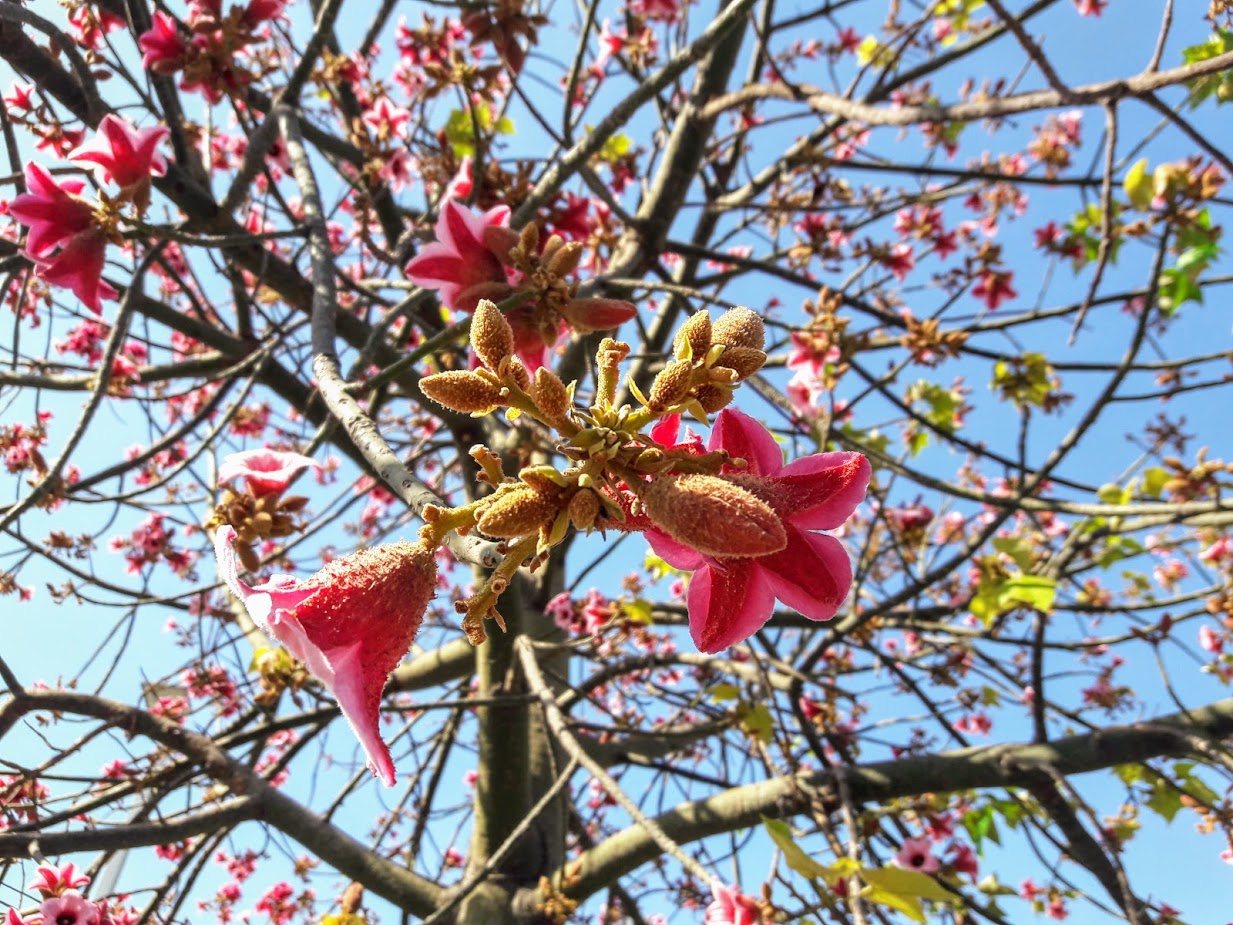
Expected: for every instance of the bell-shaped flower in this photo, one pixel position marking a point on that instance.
(350, 624)
(54, 211)
(464, 263)
(265, 471)
(162, 48)
(732, 595)
(125, 155)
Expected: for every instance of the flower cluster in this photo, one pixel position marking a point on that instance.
(68, 234)
(477, 256)
(209, 57)
(63, 903)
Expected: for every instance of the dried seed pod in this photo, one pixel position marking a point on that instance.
(739, 327)
(671, 386)
(492, 338)
(462, 390)
(714, 516)
(745, 361)
(693, 340)
(551, 394)
(517, 512)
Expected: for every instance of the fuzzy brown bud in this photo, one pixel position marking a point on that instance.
(565, 260)
(462, 390)
(517, 512)
(551, 394)
(713, 397)
(695, 334)
(583, 509)
(671, 386)
(739, 327)
(714, 516)
(744, 361)
(517, 372)
(491, 336)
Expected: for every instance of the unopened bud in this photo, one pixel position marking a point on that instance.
(517, 512)
(551, 394)
(462, 390)
(671, 386)
(693, 340)
(583, 509)
(565, 261)
(491, 336)
(713, 397)
(745, 361)
(714, 516)
(514, 369)
(739, 327)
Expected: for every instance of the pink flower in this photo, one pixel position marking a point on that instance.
(732, 907)
(124, 154)
(54, 211)
(463, 263)
(963, 860)
(1091, 7)
(79, 267)
(730, 598)
(52, 881)
(899, 260)
(69, 908)
(994, 287)
(1209, 641)
(265, 471)
(350, 624)
(162, 48)
(915, 855)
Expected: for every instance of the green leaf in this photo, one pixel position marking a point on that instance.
(918, 441)
(1034, 590)
(793, 855)
(1113, 494)
(638, 611)
(906, 883)
(1165, 800)
(1154, 480)
(1017, 548)
(722, 692)
(979, 823)
(756, 722)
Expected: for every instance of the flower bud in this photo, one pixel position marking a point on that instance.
(565, 261)
(713, 397)
(693, 340)
(491, 336)
(583, 509)
(517, 512)
(462, 390)
(745, 361)
(714, 516)
(551, 394)
(739, 327)
(586, 315)
(671, 386)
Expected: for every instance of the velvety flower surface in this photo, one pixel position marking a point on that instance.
(730, 598)
(78, 266)
(265, 471)
(350, 624)
(732, 907)
(123, 153)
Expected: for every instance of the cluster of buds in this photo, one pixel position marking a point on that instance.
(259, 512)
(626, 471)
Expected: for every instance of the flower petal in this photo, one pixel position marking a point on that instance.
(676, 554)
(729, 601)
(744, 437)
(811, 575)
(820, 492)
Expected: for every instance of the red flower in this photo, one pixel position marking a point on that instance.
(124, 153)
(463, 263)
(994, 287)
(732, 907)
(731, 597)
(53, 210)
(350, 624)
(79, 266)
(162, 48)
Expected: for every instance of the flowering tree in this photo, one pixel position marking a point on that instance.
(730, 461)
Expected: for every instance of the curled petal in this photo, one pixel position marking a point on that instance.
(812, 574)
(728, 602)
(744, 437)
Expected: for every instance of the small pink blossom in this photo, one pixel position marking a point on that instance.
(1091, 7)
(350, 624)
(1209, 640)
(53, 211)
(916, 854)
(994, 288)
(53, 881)
(78, 267)
(162, 48)
(732, 907)
(265, 471)
(463, 263)
(123, 153)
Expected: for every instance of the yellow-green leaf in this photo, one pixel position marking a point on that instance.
(793, 855)
(1138, 185)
